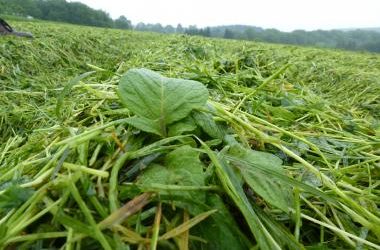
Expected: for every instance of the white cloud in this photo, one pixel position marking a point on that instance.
(284, 15)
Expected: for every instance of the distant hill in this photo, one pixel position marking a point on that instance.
(375, 29)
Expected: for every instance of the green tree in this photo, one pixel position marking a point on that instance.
(228, 34)
(123, 23)
(169, 29)
(57, 10)
(179, 29)
(207, 32)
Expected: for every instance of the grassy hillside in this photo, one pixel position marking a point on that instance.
(284, 155)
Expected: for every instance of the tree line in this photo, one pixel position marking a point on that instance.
(359, 39)
(78, 13)
(62, 11)
(351, 39)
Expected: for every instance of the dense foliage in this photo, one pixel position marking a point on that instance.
(63, 11)
(113, 139)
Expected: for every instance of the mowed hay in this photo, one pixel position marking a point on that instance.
(284, 154)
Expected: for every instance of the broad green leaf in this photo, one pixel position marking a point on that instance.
(182, 126)
(155, 174)
(267, 187)
(182, 167)
(220, 230)
(209, 126)
(233, 188)
(185, 162)
(263, 228)
(231, 183)
(187, 170)
(277, 229)
(283, 113)
(262, 158)
(280, 177)
(14, 196)
(160, 99)
(145, 125)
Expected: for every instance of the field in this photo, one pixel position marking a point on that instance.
(114, 139)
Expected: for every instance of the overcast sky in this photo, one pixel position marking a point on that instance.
(285, 15)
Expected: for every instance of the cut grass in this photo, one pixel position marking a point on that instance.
(64, 139)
